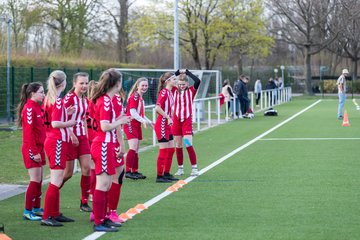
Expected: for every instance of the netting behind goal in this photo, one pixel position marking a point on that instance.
(210, 82)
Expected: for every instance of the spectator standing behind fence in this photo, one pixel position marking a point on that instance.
(341, 83)
(31, 119)
(228, 94)
(270, 86)
(243, 95)
(257, 91)
(237, 86)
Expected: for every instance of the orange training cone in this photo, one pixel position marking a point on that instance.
(346, 120)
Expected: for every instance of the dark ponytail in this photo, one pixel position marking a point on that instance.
(26, 90)
(108, 80)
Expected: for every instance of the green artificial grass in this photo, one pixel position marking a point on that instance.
(283, 186)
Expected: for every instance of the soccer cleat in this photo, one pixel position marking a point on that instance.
(139, 175)
(113, 216)
(38, 211)
(92, 217)
(179, 172)
(84, 207)
(194, 172)
(340, 117)
(131, 176)
(104, 228)
(29, 215)
(110, 223)
(170, 177)
(161, 179)
(51, 222)
(62, 218)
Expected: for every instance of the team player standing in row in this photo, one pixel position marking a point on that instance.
(80, 148)
(30, 117)
(182, 120)
(133, 131)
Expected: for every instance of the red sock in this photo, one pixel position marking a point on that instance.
(130, 156)
(169, 157)
(30, 195)
(113, 196)
(99, 206)
(161, 162)
(51, 205)
(85, 188)
(179, 156)
(92, 181)
(37, 202)
(192, 154)
(136, 163)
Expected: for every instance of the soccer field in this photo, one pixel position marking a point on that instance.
(294, 176)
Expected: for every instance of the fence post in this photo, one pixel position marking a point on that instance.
(31, 74)
(13, 92)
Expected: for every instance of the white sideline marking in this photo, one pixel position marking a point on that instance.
(157, 198)
(306, 139)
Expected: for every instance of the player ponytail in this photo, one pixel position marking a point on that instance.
(163, 79)
(26, 90)
(107, 81)
(54, 81)
(136, 85)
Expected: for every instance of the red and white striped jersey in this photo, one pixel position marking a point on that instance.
(81, 106)
(165, 101)
(33, 126)
(136, 102)
(118, 105)
(183, 102)
(56, 112)
(104, 111)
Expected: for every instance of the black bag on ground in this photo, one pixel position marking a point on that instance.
(270, 112)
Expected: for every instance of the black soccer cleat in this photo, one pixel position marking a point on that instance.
(131, 176)
(104, 228)
(85, 207)
(170, 177)
(109, 223)
(62, 218)
(139, 175)
(51, 222)
(161, 179)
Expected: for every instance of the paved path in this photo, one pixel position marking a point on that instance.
(10, 190)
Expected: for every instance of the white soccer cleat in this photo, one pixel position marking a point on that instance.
(194, 172)
(179, 172)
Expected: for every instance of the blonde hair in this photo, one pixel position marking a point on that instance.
(135, 87)
(55, 79)
(92, 85)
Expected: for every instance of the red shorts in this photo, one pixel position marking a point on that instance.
(119, 161)
(82, 149)
(133, 131)
(163, 130)
(103, 155)
(29, 159)
(56, 151)
(182, 128)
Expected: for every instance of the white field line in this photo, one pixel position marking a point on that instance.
(306, 139)
(166, 193)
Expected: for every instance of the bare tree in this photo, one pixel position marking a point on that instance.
(120, 16)
(347, 45)
(305, 24)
